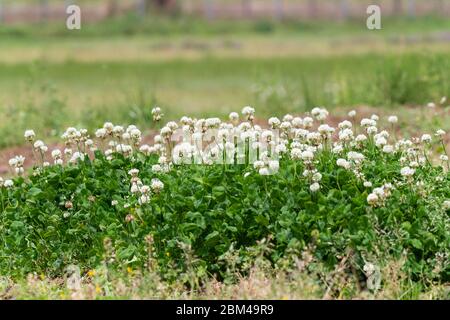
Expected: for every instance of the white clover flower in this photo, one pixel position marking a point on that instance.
(308, 122)
(274, 165)
(38, 144)
(426, 138)
(431, 105)
(134, 188)
(114, 203)
(234, 116)
(388, 148)
(374, 117)
(297, 122)
(355, 156)
(258, 164)
(314, 187)
(443, 157)
(361, 138)
(368, 123)
(274, 122)
(280, 148)
(352, 114)
(264, 171)
(367, 184)
(76, 157)
(393, 119)
(380, 141)
(307, 155)
(343, 163)
(440, 133)
(317, 177)
(372, 199)
(8, 183)
(372, 130)
(145, 189)
(443, 100)
(12, 162)
(101, 133)
(56, 154)
(325, 130)
(133, 172)
(143, 199)
(166, 131)
(407, 172)
(446, 205)
(156, 114)
(337, 149)
(29, 135)
(118, 131)
(157, 185)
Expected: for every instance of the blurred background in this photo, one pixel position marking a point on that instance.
(210, 57)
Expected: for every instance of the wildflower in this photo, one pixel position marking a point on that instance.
(317, 177)
(308, 122)
(144, 199)
(388, 149)
(443, 100)
(114, 203)
(443, 157)
(101, 133)
(274, 123)
(264, 171)
(426, 138)
(372, 199)
(156, 114)
(343, 163)
(440, 133)
(431, 105)
(393, 119)
(234, 116)
(274, 165)
(407, 172)
(29, 135)
(68, 205)
(319, 113)
(352, 114)
(157, 185)
(367, 184)
(248, 112)
(314, 187)
(307, 155)
(361, 138)
(297, 122)
(446, 205)
(8, 184)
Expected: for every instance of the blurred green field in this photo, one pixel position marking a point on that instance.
(118, 70)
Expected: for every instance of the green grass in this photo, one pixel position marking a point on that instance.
(45, 94)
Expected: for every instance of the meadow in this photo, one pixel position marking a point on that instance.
(358, 206)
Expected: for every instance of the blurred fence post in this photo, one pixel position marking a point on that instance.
(312, 8)
(43, 10)
(278, 9)
(344, 8)
(440, 8)
(208, 8)
(112, 8)
(397, 7)
(246, 8)
(412, 8)
(141, 7)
